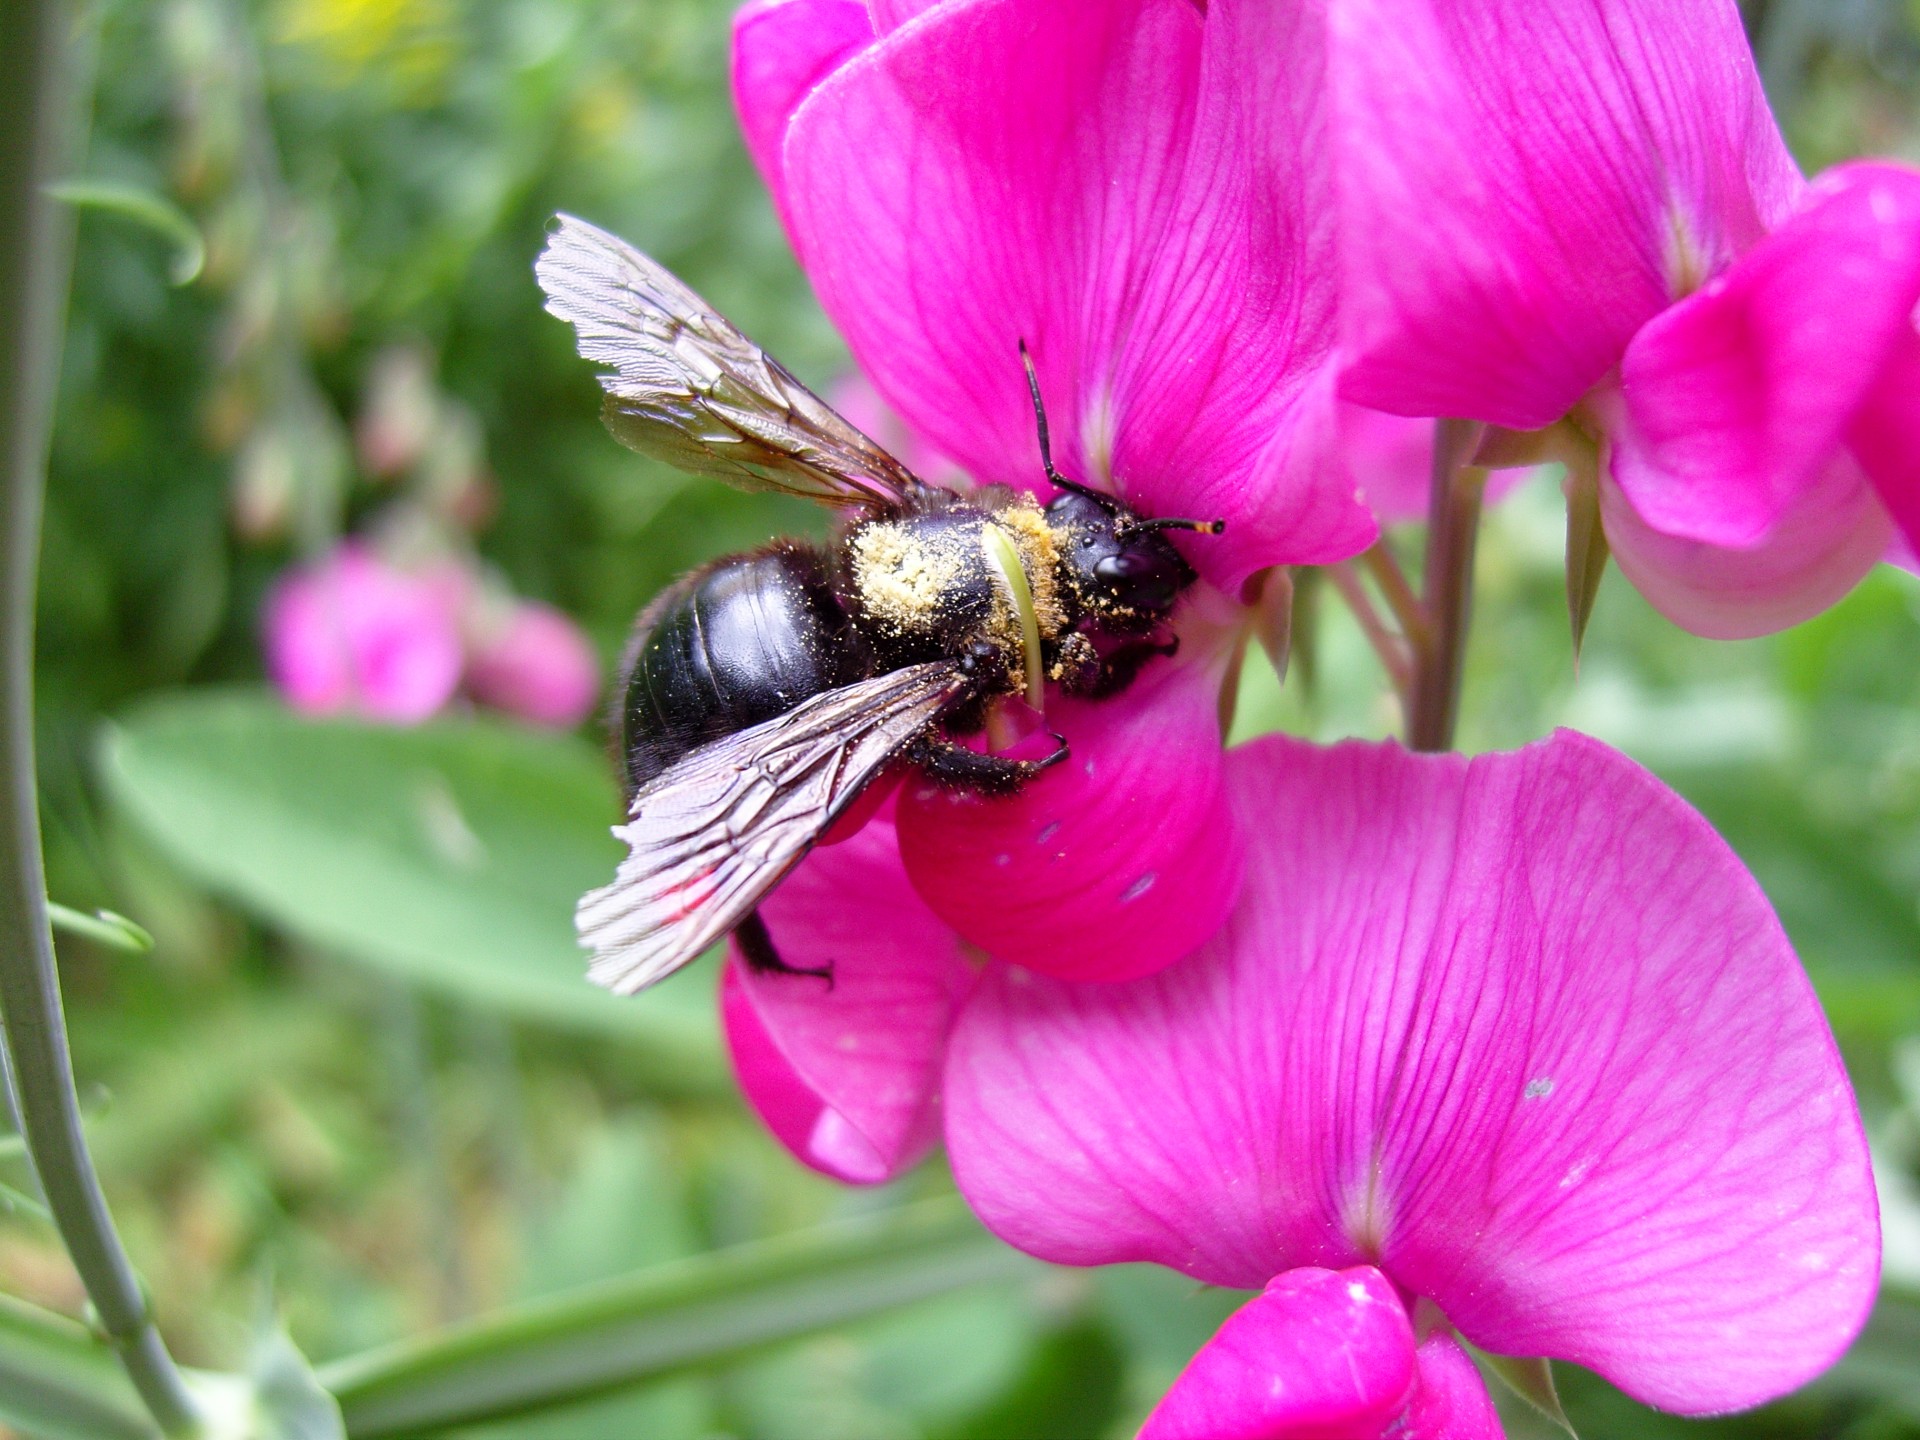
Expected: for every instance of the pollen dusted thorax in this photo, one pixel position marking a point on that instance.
(926, 582)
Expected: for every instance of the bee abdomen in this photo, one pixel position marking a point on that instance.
(729, 646)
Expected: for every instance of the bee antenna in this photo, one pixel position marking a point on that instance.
(1054, 477)
(1203, 527)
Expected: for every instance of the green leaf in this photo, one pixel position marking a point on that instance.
(1071, 1385)
(1532, 1381)
(146, 209)
(449, 855)
(58, 1382)
(690, 1314)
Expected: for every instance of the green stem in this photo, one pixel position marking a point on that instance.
(712, 1309)
(32, 288)
(1453, 524)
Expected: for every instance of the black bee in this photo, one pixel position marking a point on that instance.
(764, 692)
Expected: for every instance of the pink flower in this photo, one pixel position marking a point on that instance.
(533, 662)
(1514, 1042)
(1586, 214)
(350, 633)
(1134, 189)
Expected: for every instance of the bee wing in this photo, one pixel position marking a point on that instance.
(689, 389)
(720, 829)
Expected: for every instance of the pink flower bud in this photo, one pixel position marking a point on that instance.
(537, 666)
(351, 633)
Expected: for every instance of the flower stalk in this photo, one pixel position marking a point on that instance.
(32, 286)
(1453, 525)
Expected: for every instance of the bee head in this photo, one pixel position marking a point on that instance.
(1122, 566)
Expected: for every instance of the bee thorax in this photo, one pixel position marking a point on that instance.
(927, 584)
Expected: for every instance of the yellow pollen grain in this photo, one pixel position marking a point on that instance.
(901, 579)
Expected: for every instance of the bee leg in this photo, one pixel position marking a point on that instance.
(956, 765)
(757, 949)
(1116, 671)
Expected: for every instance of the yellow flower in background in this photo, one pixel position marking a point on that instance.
(411, 45)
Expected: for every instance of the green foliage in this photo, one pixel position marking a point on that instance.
(450, 855)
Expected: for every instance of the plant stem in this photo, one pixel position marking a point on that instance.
(33, 253)
(1385, 569)
(1453, 524)
(1391, 648)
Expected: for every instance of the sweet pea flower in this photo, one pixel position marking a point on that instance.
(1584, 217)
(1136, 190)
(533, 662)
(1509, 1049)
(351, 633)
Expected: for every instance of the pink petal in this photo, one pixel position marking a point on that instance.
(1886, 437)
(1391, 459)
(538, 666)
(1449, 1401)
(352, 633)
(1522, 186)
(1319, 1354)
(1828, 538)
(1519, 1031)
(1130, 188)
(781, 50)
(847, 1077)
(1113, 864)
(892, 14)
(1738, 396)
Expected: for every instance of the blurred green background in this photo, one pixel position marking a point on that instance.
(359, 1077)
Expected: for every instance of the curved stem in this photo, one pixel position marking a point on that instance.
(32, 288)
(1453, 524)
(1392, 649)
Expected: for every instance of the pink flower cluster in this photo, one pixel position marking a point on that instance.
(354, 633)
(1510, 1050)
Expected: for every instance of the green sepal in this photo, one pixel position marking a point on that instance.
(1587, 548)
(1532, 1381)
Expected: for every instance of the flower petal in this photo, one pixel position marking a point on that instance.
(1131, 189)
(1522, 186)
(1318, 1353)
(353, 633)
(1450, 1401)
(1520, 1031)
(1111, 865)
(534, 662)
(781, 50)
(1736, 397)
(1826, 540)
(847, 1076)
(1886, 437)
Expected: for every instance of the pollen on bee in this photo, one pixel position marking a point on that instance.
(902, 577)
(1026, 525)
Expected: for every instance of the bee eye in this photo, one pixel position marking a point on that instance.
(1141, 580)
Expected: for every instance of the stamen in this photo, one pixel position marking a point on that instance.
(1004, 558)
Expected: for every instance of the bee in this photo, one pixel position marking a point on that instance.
(763, 693)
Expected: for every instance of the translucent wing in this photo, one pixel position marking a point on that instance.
(689, 389)
(720, 829)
